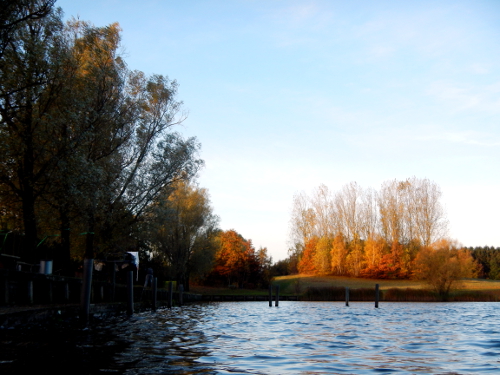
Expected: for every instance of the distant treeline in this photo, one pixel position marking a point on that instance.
(488, 257)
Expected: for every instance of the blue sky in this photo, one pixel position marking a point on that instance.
(287, 95)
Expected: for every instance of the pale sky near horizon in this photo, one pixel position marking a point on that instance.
(287, 95)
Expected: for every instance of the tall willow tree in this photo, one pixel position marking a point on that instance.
(84, 139)
(31, 69)
(15, 13)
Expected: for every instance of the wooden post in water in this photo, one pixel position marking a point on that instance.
(113, 282)
(347, 296)
(155, 291)
(277, 302)
(30, 292)
(88, 265)
(5, 296)
(50, 291)
(270, 295)
(181, 290)
(130, 292)
(66, 292)
(376, 295)
(170, 292)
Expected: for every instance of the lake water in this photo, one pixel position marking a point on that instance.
(294, 338)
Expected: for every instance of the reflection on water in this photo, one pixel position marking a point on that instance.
(297, 337)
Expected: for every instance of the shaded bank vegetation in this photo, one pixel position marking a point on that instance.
(91, 166)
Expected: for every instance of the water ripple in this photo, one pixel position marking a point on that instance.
(296, 338)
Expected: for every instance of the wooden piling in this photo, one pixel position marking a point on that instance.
(30, 292)
(155, 291)
(277, 302)
(376, 295)
(170, 292)
(113, 282)
(181, 291)
(88, 265)
(5, 285)
(130, 292)
(347, 296)
(50, 291)
(66, 292)
(270, 295)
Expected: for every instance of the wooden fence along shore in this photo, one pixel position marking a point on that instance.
(26, 288)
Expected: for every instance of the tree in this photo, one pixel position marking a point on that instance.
(430, 219)
(411, 210)
(374, 233)
(14, 13)
(302, 224)
(442, 266)
(348, 210)
(355, 259)
(324, 215)
(31, 67)
(374, 250)
(339, 254)
(322, 257)
(84, 138)
(235, 259)
(307, 262)
(392, 211)
(183, 230)
(265, 264)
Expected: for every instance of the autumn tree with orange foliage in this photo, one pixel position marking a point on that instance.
(442, 266)
(306, 264)
(238, 263)
(362, 232)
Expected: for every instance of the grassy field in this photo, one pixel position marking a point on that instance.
(297, 284)
(472, 289)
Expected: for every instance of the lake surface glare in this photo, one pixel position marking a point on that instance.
(313, 338)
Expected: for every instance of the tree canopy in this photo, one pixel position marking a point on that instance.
(87, 143)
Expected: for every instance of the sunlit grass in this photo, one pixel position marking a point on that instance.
(333, 287)
(289, 283)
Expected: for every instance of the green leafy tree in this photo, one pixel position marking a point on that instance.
(183, 231)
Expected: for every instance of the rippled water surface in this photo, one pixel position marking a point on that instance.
(301, 338)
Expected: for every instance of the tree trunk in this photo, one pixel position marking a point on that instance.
(65, 241)
(27, 192)
(89, 245)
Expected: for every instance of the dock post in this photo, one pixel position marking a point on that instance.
(277, 302)
(113, 282)
(50, 290)
(181, 291)
(30, 292)
(170, 291)
(270, 295)
(88, 265)
(347, 296)
(376, 295)
(5, 285)
(66, 292)
(155, 291)
(130, 292)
